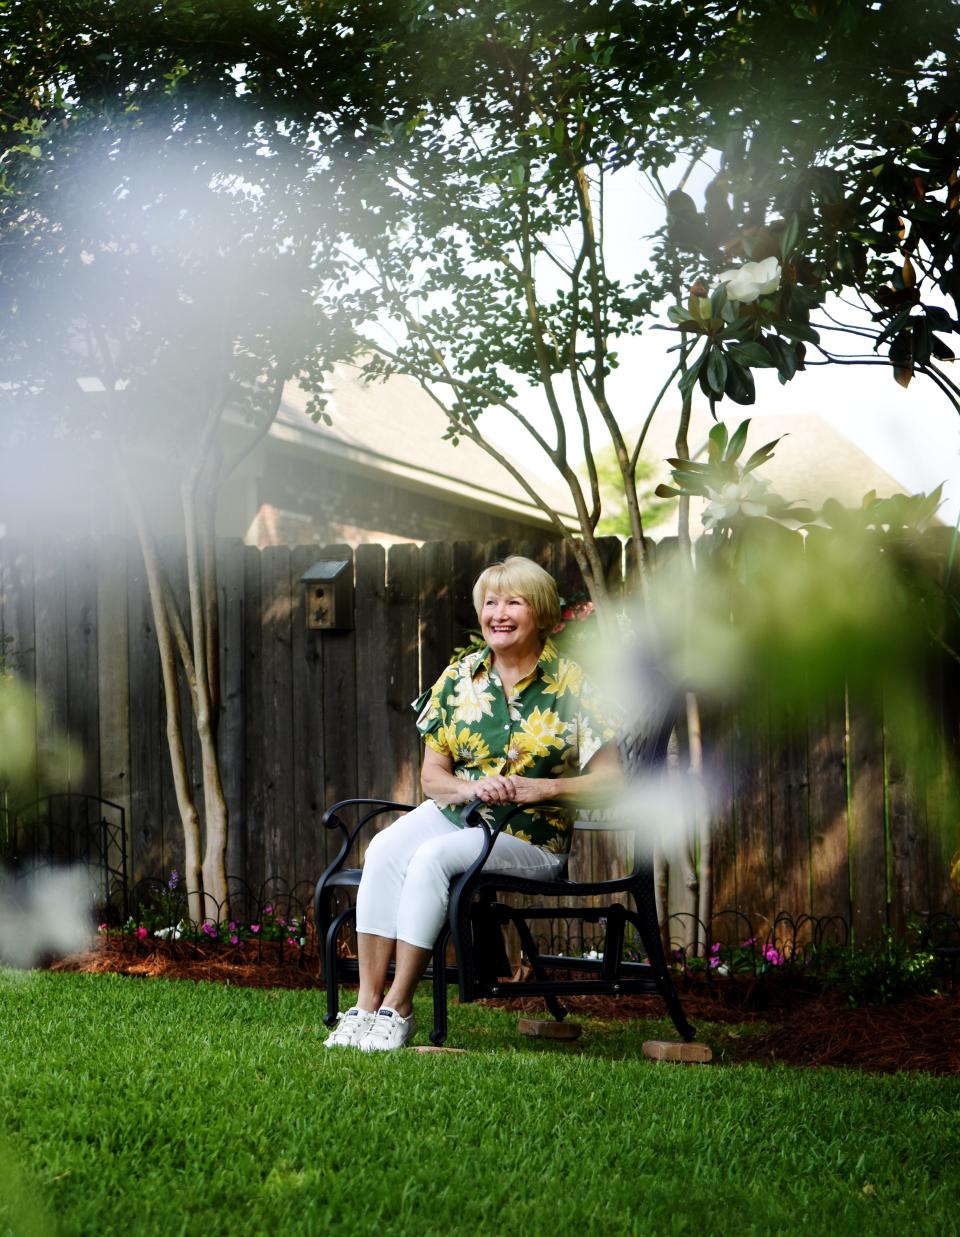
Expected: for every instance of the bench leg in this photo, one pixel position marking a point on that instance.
(330, 965)
(529, 947)
(649, 929)
(439, 1032)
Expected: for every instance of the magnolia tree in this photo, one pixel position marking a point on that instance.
(479, 239)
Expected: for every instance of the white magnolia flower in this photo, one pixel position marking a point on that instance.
(745, 497)
(745, 283)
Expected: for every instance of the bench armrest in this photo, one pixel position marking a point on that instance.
(331, 820)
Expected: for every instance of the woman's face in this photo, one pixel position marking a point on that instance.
(509, 624)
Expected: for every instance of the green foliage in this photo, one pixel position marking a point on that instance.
(844, 171)
(615, 520)
(890, 972)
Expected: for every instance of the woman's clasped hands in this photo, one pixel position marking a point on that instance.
(496, 788)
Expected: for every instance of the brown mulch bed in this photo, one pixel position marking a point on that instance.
(263, 964)
(804, 1027)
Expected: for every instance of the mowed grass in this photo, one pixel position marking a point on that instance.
(144, 1106)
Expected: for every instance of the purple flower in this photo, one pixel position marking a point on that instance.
(210, 929)
(234, 939)
(233, 927)
(254, 928)
(268, 910)
(748, 942)
(174, 880)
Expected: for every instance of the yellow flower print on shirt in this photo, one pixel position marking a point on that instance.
(469, 747)
(568, 678)
(543, 730)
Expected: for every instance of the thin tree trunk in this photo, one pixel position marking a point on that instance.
(189, 817)
(216, 817)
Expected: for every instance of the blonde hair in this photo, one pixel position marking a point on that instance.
(521, 577)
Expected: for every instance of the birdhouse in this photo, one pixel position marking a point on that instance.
(328, 593)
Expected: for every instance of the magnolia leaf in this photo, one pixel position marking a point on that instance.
(676, 313)
(716, 371)
(791, 234)
(752, 354)
(667, 491)
(740, 385)
(719, 437)
(761, 455)
(784, 357)
(738, 441)
(799, 330)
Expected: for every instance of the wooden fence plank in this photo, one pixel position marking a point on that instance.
(254, 795)
(279, 856)
(867, 821)
(50, 643)
(436, 610)
(376, 763)
(403, 581)
(720, 754)
(113, 675)
(230, 735)
(17, 600)
(340, 704)
(754, 858)
(829, 848)
(80, 604)
(790, 825)
(309, 786)
(148, 741)
(907, 832)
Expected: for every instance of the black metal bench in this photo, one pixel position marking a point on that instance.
(477, 918)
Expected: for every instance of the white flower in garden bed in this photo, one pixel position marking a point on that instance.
(753, 279)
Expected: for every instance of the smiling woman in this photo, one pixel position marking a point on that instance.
(512, 723)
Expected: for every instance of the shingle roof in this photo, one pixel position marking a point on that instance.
(395, 428)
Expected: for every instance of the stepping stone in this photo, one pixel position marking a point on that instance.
(433, 1048)
(676, 1050)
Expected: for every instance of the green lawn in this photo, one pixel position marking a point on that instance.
(143, 1106)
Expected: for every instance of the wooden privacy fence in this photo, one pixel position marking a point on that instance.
(819, 822)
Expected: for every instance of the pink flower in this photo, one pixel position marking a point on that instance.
(254, 927)
(234, 939)
(291, 940)
(748, 942)
(102, 927)
(141, 933)
(773, 955)
(268, 910)
(232, 927)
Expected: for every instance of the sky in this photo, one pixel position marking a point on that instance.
(912, 434)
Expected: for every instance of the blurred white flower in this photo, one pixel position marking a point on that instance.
(170, 934)
(745, 283)
(744, 497)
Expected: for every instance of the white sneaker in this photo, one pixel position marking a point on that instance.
(351, 1027)
(388, 1031)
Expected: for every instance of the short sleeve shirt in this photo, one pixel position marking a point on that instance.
(552, 725)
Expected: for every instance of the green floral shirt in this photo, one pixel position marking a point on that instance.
(552, 725)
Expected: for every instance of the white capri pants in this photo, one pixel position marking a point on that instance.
(405, 886)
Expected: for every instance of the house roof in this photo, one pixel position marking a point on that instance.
(812, 462)
(394, 427)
